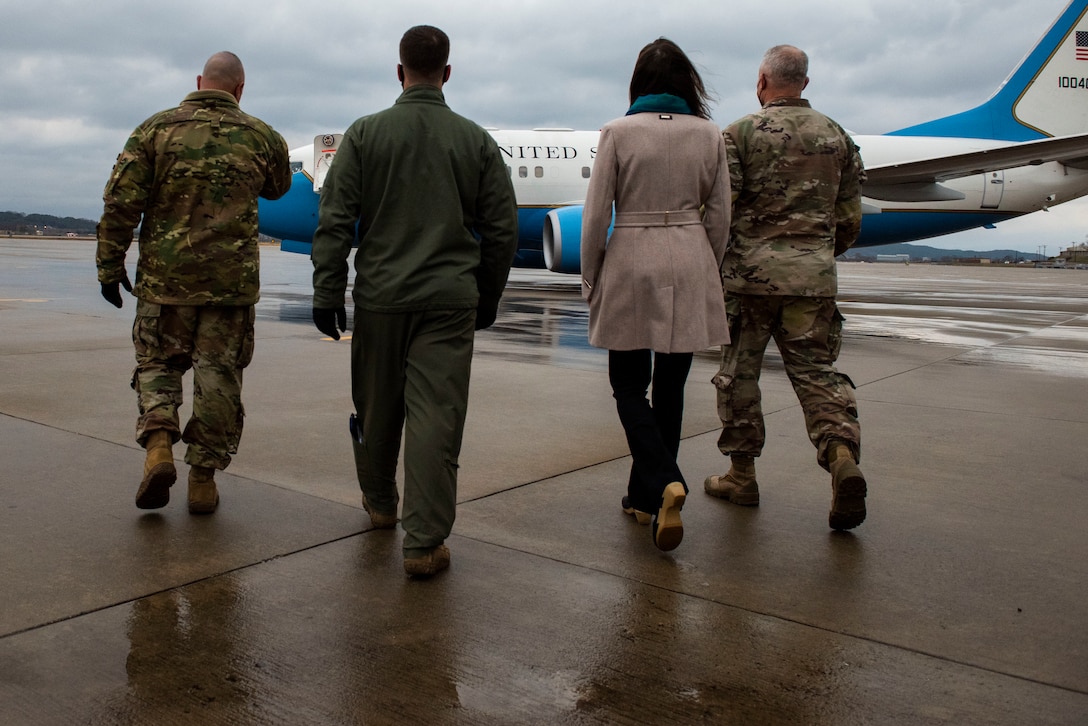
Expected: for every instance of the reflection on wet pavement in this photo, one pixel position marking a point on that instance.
(1033, 318)
(542, 321)
(938, 324)
(962, 600)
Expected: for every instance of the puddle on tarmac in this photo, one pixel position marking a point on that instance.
(543, 319)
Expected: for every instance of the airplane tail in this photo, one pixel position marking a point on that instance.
(1047, 94)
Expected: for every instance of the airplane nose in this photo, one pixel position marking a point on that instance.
(294, 215)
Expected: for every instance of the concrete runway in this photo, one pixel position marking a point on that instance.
(962, 599)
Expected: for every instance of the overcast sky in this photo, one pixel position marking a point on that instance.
(76, 77)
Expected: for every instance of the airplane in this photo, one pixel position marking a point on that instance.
(1023, 150)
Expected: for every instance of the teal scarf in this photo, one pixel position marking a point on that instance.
(659, 103)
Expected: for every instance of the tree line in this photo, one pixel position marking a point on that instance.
(19, 223)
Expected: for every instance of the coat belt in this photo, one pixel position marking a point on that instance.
(658, 219)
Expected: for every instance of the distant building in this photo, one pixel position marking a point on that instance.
(893, 258)
(1075, 254)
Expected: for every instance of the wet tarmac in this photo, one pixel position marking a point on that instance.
(962, 599)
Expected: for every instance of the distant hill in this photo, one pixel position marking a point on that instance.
(18, 223)
(919, 252)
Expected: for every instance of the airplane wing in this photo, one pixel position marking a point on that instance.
(920, 180)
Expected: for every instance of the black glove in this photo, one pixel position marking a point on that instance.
(328, 320)
(112, 290)
(486, 310)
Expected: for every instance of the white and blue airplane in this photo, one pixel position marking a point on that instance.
(1023, 150)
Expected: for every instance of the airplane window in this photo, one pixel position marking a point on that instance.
(523, 172)
(538, 172)
(585, 172)
(296, 166)
(509, 171)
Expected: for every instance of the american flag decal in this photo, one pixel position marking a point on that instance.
(1082, 45)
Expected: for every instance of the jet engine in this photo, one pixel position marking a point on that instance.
(563, 239)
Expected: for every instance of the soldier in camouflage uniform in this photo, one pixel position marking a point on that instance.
(796, 180)
(190, 177)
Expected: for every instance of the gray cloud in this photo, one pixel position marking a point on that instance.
(76, 78)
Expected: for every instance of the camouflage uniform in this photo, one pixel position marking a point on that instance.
(190, 177)
(796, 182)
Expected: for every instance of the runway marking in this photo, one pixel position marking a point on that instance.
(23, 299)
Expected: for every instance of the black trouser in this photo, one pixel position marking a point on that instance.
(652, 427)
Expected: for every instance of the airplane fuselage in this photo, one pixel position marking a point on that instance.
(1023, 150)
(550, 169)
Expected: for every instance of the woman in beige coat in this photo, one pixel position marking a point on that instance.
(654, 286)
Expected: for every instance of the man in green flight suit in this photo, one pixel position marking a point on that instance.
(190, 177)
(431, 201)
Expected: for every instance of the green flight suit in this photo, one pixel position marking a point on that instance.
(431, 201)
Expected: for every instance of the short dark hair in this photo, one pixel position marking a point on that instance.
(425, 50)
(663, 68)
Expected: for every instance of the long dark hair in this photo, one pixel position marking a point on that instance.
(663, 68)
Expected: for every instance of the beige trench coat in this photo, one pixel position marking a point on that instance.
(656, 283)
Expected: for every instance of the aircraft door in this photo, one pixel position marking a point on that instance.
(325, 146)
(993, 189)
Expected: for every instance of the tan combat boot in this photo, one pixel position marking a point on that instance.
(738, 485)
(203, 496)
(159, 471)
(847, 487)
